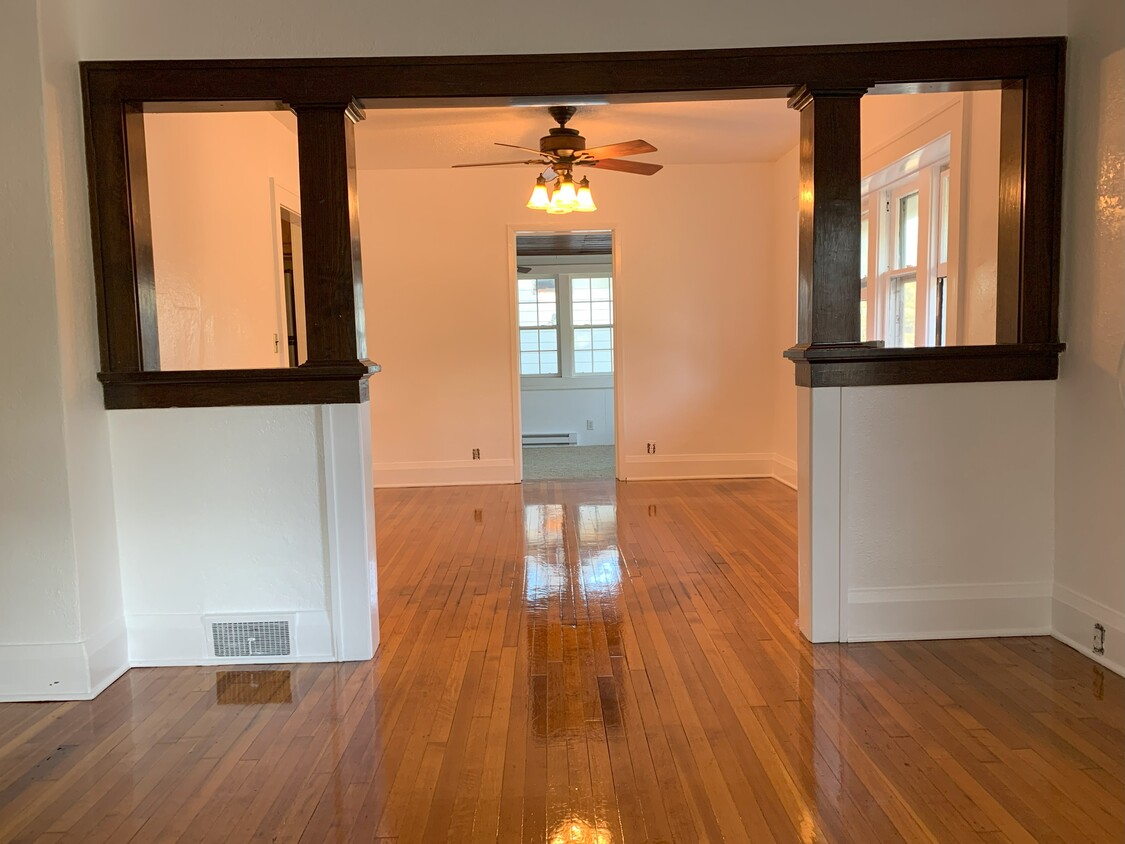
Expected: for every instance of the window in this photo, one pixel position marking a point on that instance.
(539, 326)
(592, 312)
(566, 324)
(904, 243)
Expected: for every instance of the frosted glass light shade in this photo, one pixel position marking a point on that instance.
(584, 198)
(539, 200)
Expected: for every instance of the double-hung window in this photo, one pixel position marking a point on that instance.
(566, 324)
(904, 245)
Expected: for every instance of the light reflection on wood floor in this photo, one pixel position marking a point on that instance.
(586, 662)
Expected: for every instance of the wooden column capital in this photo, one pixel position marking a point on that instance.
(334, 320)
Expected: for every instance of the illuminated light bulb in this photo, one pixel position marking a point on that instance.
(565, 195)
(539, 200)
(585, 198)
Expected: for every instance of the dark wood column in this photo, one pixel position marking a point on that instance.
(828, 260)
(1027, 258)
(829, 201)
(334, 321)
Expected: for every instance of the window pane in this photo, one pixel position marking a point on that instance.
(583, 338)
(529, 363)
(581, 313)
(526, 289)
(549, 363)
(602, 313)
(546, 313)
(548, 340)
(603, 361)
(527, 315)
(583, 363)
(908, 230)
(943, 218)
(580, 288)
(902, 306)
(599, 289)
(529, 341)
(863, 246)
(603, 338)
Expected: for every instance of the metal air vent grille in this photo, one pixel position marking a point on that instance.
(250, 638)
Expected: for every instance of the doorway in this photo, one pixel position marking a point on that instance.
(566, 363)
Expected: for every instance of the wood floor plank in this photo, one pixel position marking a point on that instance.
(588, 662)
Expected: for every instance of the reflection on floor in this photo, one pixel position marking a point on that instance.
(586, 663)
(567, 462)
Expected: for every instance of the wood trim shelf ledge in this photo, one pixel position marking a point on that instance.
(337, 383)
(854, 365)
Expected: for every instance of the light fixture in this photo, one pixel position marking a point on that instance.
(585, 198)
(564, 198)
(539, 200)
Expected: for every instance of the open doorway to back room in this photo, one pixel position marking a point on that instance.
(565, 317)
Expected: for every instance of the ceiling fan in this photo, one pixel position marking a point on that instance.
(563, 149)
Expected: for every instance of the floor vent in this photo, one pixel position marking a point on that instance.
(551, 439)
(250, 638)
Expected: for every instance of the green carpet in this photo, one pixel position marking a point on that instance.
(567, 462)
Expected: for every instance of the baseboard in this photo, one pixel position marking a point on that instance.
(1073, 616)
(64, 670)
(785, 470)
(962, 611)
(181, 639)
(676, 467)
(445, 473)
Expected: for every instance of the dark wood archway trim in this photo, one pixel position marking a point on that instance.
(1030, 71)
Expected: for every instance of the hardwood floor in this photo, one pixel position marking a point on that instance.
(579, 663)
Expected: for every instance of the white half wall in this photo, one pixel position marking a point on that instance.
(242, 512)
(947, 510)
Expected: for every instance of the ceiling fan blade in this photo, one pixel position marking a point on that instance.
(497, 163)
(637, 147)
(641, 168)
(525, 149)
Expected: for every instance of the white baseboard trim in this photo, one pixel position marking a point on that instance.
(682, 467)
(181, 639)
(445, 473)
(961, 611)
(785, 470)
(1073, 616)
(64, 670)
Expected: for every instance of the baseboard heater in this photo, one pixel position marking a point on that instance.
(551, 439)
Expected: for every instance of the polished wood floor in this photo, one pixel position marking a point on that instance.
(579, 663)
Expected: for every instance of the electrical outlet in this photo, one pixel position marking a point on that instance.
(589, 424)
(651, 448)
(476, 454)
(1099, 639)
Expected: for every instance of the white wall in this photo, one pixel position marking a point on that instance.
(214, 243)
(61, 629)
(1090, 446)
(693, 307)
(946, 518)
(261, 28)
(569, 410)
(783, 288)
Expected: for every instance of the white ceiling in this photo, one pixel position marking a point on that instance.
(710, 132)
